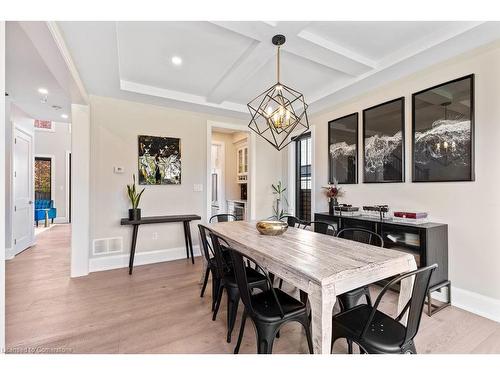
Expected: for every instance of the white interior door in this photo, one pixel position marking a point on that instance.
(23, 215)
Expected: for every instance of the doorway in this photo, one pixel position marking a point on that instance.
(22, 216)
(230, 149)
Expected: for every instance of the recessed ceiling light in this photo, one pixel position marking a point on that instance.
(64, 115)
(43, 91)
(176, 60)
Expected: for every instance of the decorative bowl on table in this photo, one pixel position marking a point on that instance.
(271, 227)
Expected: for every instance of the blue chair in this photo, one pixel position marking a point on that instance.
(42, 206)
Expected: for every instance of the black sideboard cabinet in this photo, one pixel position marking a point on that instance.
(428, 243)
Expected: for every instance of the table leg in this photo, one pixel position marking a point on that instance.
(406, 289)
(132, 248)
(190, 240)
(186, 239)
(322, 301)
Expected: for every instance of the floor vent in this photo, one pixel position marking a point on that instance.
(107, 245)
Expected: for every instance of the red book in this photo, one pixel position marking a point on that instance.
(410, 215)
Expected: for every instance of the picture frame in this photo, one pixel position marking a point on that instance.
(159, 160)
(443, 132)
(384, 142)
(343, 148)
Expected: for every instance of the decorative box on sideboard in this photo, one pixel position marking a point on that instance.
(428, 243)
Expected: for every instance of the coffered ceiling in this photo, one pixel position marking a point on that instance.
(226, 64)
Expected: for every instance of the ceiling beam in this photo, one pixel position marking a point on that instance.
(336, 48)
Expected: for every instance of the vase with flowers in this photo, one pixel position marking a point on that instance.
(333, 192)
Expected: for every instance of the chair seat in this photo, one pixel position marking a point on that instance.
(267, 309)
(385, 335)
(254, 278)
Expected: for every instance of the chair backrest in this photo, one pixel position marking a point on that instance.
(417, 300)
(415, 304)
(220, 218)
(221, 255)
(361, 235)
(208, 251)
(321, 227)
(292, 221)
(238, 261)
(43, 203)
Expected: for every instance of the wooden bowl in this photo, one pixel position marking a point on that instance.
(271, 227)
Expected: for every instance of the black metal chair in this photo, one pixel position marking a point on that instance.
(269, 310)
(256, 280)
(209, 255)
(292, 221)
(220, 218)
(350, 299)
(321, 227)
(375, 332)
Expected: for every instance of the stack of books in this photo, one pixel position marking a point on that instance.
(346, 210)
(410, 217)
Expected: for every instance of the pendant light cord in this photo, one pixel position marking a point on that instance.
(278, 64)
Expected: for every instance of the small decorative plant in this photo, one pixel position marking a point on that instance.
(134, 212)
(278, 191)
(332, 192)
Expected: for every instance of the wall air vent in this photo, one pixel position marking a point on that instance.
(107, 245)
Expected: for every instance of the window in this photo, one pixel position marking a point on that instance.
(43, 178)
(303, 157)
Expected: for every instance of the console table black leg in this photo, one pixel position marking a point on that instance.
(186, 238)
(190, 240)
(132, 248)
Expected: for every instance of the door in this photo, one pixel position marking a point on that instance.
(303, 156)
(23, 215)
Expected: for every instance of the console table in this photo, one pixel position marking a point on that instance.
(185, 219)
(427, 242)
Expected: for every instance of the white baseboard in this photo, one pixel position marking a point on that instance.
(476, 303)
(9, 253)
(470, 301)
(105, 263)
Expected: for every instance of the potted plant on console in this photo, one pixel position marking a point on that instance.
(134, 213)
(332, 192)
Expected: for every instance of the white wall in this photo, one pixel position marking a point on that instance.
(115, 126)
(56, 144)
(2, 183)
(469, 208)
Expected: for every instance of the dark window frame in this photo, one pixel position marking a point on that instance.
(297, 141)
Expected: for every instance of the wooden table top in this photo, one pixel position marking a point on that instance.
(322, 258)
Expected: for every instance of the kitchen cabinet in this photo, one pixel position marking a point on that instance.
(242, 164)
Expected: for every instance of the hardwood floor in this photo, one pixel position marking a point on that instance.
(158, 310)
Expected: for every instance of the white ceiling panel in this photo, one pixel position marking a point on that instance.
(376, 40)
(226, 64)
(145, 50)
(296, 72)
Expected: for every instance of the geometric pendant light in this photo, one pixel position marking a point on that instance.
(280, 112)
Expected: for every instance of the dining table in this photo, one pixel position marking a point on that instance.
(321, 265)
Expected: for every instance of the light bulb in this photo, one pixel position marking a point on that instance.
(445, 145)
(269, 111)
